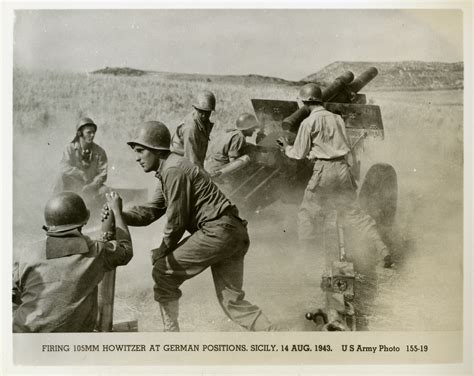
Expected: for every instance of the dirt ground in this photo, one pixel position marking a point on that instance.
(411, 296)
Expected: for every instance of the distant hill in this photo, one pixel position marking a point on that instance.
(250, 79)
(121, 71)
(403, 75)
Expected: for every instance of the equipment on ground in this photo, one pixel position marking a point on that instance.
(337, 282)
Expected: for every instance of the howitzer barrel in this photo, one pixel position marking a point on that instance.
(362, 80)
(292, 122)
(337, 85)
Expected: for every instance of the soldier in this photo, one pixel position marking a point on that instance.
(322, 137)
(192, 135)
(218, 240)
(55, 282)
(84, 164)
(229, 146)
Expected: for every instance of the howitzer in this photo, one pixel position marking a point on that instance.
(283, 118)
(271, 176)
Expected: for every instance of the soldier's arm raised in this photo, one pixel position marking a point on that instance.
(118, 251)
(146, 213)
(302, 145)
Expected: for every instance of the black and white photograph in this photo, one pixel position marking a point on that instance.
(228, 185)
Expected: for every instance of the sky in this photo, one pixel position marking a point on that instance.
(290, 44)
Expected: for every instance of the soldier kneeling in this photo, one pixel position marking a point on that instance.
(55, 280)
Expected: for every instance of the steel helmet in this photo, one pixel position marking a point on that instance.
(85, 121)
(205, 101)
(65, 211)
(153, 135)
(246, 121)
(311, 93)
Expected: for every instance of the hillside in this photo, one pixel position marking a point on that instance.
(404, 75)
(121, 71)
(250, 79)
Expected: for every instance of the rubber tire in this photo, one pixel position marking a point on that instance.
(378, 194)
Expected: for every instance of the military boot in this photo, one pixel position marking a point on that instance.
(263, 324)
(169, 314)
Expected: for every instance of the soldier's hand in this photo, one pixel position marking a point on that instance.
(104, 212)
(114, 201)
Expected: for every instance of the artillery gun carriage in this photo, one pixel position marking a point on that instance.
(270, 176)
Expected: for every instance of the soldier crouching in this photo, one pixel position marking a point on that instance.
(219, 238)
(84, 165)
(55, 282)
(226, 148)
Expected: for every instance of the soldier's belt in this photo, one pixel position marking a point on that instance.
(332, 159)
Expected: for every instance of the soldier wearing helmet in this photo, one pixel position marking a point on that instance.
(193, 203)
(84, 164)
(55, 281)
(230, 145)
(192, 135)
(322, 137)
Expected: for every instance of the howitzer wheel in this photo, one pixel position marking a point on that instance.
(379, 193)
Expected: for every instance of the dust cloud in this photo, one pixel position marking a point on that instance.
(423, 142)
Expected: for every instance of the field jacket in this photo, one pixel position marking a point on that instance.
(191, 139)
(187, 196)
(226, 146)
(77, 172)
(55, 281)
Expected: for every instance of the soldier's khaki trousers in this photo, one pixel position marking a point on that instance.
(332, 187)
(221, 245)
